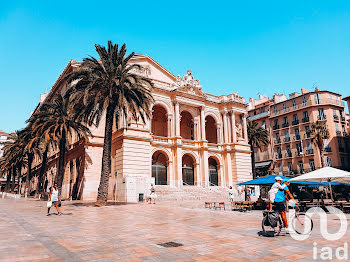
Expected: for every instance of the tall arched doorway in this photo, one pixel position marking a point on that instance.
(159, 168)
(186, 126)
(210, 130)
(187, 170)
(213, 172)
(159, 121)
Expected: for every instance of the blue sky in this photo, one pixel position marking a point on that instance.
(246, 46)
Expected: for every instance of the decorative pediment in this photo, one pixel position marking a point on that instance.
(188, 84)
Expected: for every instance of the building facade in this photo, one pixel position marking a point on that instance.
(288, 120)
(192, 139)
(4, 137)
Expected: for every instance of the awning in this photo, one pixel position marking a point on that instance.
(271, 179)
(263, 164)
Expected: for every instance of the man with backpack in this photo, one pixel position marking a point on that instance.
(280, 201)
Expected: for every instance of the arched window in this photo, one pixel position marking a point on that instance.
(210, 130)
(186, 126)
(159, 121)
(187, 170)
(159, 168)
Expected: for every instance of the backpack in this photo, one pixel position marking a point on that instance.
(273, 219)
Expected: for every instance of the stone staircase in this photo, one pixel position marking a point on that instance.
(192, 194)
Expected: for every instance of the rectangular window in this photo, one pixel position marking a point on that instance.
(299, 148)
(317, 99)
(294, 104)
(285, 120)
(312, 164)
(342, 161)
(263, 125)
(295, 117)
(286, 133)
(290, 167)
(280, 168)
(330, 98)
(337, 99)
(328, 161)
(326, 143)
(304, 101)
(284, 108)
(301, 167)
(321, 115)
(275, 109)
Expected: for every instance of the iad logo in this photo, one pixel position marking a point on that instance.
(323, 253)
(323, 224)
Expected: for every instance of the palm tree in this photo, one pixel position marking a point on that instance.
(110, 86)
(57, 121)
(44, 143)
(318, 133)
(29, 149)
(257, 137)
(13, 159)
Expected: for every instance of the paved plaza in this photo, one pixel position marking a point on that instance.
(133, 232)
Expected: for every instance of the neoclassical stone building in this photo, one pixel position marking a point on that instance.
(192, 139)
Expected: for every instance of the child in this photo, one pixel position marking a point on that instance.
(274, 189)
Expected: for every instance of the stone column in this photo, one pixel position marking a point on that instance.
(203, 124)
(178, 168)
(229, 170)
(221, 174)
(205, 162)
(225, 128)
(218, 129)
(177, 119)
(245, 128)
(171, 179)
(233, 120)
(197, 175)
(229, 130)
(169, 126)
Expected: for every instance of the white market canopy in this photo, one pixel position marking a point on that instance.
(326, 174)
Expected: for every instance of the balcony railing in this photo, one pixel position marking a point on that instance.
(336, 117)
(288, 154)
(161, 139)
(295, 122)
(278, 141)
(285, 125)
(305, 119)
(309, 151)
(342, 119)
(338, 133)
(296, 137)
(309, 102)
(299, 153)
(328, 149)
(279, 155)
(322, 118)
(276, 127)
(287, 139)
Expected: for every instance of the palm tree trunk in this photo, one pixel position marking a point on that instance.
(29, 170)
(42, 170)
(13, 179)
(322, 157)
(61, 160)
(106, 158)
(253, 161)
(8, 181)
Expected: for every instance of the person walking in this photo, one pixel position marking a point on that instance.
(53, 200)
(231, 194)
(152, 195)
